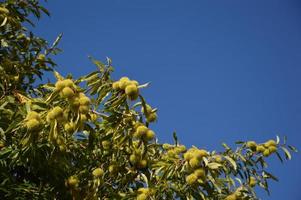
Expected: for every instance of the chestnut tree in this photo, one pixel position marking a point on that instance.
(92, 137)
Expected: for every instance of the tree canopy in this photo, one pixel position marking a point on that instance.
(92, 137)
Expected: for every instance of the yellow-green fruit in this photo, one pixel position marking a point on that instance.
(106, 144)
(182, 147)
(84, 109)
(194, 162)
(98, 172)
(270, 143)
(167, 146)
(67, 92)
(59, 85)
(231, 197)
(266, 153)
(172, 153)
(68, 83)
(179, 149)
(144, 190)
(81, 95)
(41, 57)
(252, 145)
(141, 130)
(142, 197)
(131, 91)
(33, 115)
(134, 159)
(188, 155)
(200, 173)
(272, 149)
(94, 117)
(83, 118)
(252, 181)
(73, 181)
(123, 82)
(136, 124)
(74, 101)
(134, 82)
(149, 135)
(84, 101)
(151, 117)
(50, 116)
(4, 10)
(200, 153)
(115, 85)
(191, 179)
(69, 127)
(32, 124)
(142, 164)
(124, 79)
(260, 148)
(113, 169)
(57, 111)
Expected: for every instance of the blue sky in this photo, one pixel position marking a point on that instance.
(220, 71)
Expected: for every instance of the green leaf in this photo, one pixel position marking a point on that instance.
(269, 175)
(292, 148)
(279, 157)
(277, 139)
(58, 76)
(175, 138)
(232, 162)
(287, 153)
(3, 22)
(101, 66)
(214, 165)
(226, 146)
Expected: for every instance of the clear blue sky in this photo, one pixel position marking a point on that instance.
(219, 70)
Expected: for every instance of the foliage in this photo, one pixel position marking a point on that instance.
(91, 138)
